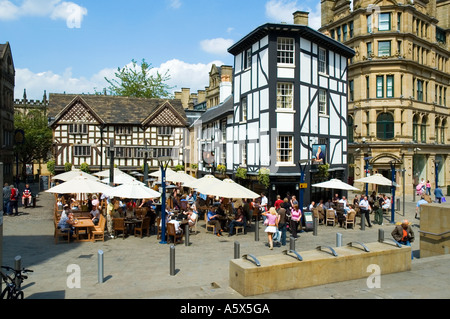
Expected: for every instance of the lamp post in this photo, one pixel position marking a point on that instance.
(393, 190)
(367, 159)
(163, 163)
(302, 164)
(111, 162)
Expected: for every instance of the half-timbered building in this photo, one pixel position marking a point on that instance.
(140, 129)
(290, 97)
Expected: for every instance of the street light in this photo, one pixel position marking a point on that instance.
(393, 162)
(367, 159)
(302, 164)
(163, 162)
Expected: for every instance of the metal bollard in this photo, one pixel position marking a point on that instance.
(100, 266)
(315, 225)
(17, 267)
(291, 243)
(380, 235)
(338, 240)
(172, 260)
(363, 220)
(257, 228)
(186, 235)
(237, 249)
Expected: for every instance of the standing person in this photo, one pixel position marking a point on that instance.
(272, 225)
(404, 234)
(296, 215)
(6, 198)
(263, 205)
(428, 187)
(419, 203)
(282, 224)
(14, 201)
(365, 208)
(378, 212)
(438, 194)
(109, 216)
(278, 202)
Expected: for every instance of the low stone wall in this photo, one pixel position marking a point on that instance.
(318, 267)
(434, 225)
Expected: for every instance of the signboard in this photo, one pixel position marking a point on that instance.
(319, 154)
(303, 185)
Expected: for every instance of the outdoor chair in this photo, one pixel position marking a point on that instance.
(193, 228)
(119, 226)
(61, 233)
(331, 217)
(99, 232)
(350, 220)
(211, 228)
(171, 233)
(143, 227)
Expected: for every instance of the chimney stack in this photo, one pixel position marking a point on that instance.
(301, 17)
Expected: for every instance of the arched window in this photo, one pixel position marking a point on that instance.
(350, 129)
(423, 130)
(437, 128)
(415, 136)
(385, 126)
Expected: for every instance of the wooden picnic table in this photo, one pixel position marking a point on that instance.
(83, 227)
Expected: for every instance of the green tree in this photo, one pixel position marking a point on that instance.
(135, 82)
(38, 139)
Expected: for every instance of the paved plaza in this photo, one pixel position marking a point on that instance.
(139, 268)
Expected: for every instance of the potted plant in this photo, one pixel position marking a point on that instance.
(241, 173)
(263, 177)
(221, 168)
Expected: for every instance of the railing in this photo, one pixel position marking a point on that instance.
(297, 255)
(252, 259)
(333, 252)
(434, 234)
(357, 242)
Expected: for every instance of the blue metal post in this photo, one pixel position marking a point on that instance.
(393, 193)
(163, 205)
(367, 173)
(302, 190)
(436, 172)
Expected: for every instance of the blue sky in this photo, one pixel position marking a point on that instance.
(70, 46)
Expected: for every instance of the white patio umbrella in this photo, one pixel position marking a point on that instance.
(121, 179)
(80, 185)
(335, 184)
(180, 177)
(204, 182)
(157, 174)
(377, 179)
(72, 174)
(228, 189)
(106, 172)
(133, 190)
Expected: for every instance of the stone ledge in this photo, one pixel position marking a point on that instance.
(281, 272)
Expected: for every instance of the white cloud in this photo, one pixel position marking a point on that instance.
(216, 46)
(175, 4)
(182, 75)
(71, 12)
(282, 11)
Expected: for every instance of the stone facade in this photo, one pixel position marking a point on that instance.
(7, 79)
(399, 92)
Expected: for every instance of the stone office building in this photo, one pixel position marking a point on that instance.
(399, 80)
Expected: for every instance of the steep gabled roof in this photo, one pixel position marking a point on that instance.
(302, 30)
(114, 110)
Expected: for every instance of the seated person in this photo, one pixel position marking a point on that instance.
(26, 194)
(238, 221)
(192, 217)
(386, 203)
(212, 219)
(178, 228)
(95, 213)
(66, 221)
(75, 204)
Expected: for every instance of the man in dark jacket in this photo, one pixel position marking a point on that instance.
(403, 234)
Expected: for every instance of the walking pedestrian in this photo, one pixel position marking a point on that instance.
(365, 209)
(6, 198)
(272, 224)
(296, 215)
(14, 201)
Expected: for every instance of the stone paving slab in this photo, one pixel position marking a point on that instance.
(139, 268)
